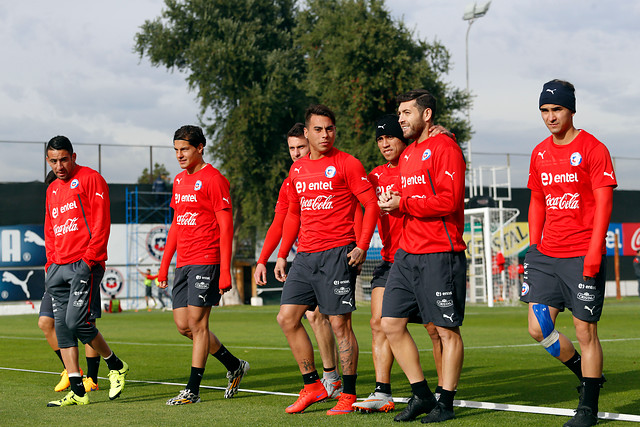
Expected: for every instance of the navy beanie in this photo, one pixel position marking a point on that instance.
(388, 125)
(554, 92)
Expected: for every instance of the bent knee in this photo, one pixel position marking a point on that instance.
(46, 324)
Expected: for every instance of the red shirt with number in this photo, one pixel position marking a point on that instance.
(196, 198)
(567, 176)
(432, 187)
(385, 178)
(324, 191)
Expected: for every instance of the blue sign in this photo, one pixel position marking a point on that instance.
(22, 246)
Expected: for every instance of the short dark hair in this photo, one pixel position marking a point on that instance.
(319, 110)
(60, 143)
(423, 99)
(296, 131)
(192, 134)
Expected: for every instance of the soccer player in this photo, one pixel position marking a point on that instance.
(571, 179)
(149, 280)
(202, 235)
(391, 143)
(299, 148)
(77, 225)
(428, 276)
(325, 189)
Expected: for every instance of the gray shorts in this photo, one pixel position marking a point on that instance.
(324, 279)
(558, 283)
(46, 306)
(196, 285)
(75, 293)
(381, 274)
(433, 286)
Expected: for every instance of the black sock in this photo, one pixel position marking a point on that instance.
(383, 388)
(113, 363)
(349, 383)
(575, 364)
(93, 364)
(421, 389)
(328, 369)
(59, 354)
(195, 379)
(225, 357)
(310, 378)
(438, 389)
(446, 397)
(591, 393)
(77, 386)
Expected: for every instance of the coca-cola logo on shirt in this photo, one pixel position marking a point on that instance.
(188, 218)
(316, 204)
(70, 225)
(566, 201)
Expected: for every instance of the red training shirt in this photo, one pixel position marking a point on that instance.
(432, 186)
(77, 221)
(567, 176)
(384, 178)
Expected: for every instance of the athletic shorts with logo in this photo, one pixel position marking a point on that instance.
(324, 279)
(381, 274)
(558, 283)
(433, 286)
(196, 285)
(75, 294)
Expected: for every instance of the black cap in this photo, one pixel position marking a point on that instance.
(388, 125)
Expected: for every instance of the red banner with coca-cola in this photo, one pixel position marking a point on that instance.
(628, 238)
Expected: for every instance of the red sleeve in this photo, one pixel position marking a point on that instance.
(272, 238)
(355, 176)
(357, 222)
(98, 196)
(369, 200)
(537, 215)
(225, 220)
(169, 250)
(290, 229)
(152, 276)
(49, 236)
(604, 202)
(447, 184)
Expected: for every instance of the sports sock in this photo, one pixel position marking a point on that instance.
(330, 374)
(421, 389)
(310, 378)
(76, 383)
(227, 359)
(113, 362)
(59, 354)
(93, 364)
(195, 379)
(446, 398)
(349, 384)
(591, 393)
(438, 389)
(383, 388)
(575, 364)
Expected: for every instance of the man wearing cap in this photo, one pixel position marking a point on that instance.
(392, 144)
(571, 179)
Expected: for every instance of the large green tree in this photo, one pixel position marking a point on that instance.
(256, 64)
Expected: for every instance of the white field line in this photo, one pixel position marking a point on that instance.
(460, 403)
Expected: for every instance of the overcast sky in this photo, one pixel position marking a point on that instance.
(69, 68)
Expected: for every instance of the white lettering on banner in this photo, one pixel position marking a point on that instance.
(188, 218)
(317, 204)
(566, 201)
(70, 225)
(560, 178)
(11, 249)
(68, 207)
(635, 240)
(413, 180)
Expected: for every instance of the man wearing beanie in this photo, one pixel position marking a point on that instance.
(571, 179)
(391, 143)
(428, 276)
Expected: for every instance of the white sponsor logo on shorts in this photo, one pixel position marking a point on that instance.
(586, 296)
(444, 294)
(78, 303)
(525, 289)
(349, 303)
(342, 290)
(586, 307)
(583, 286)
(444, 303)
(340, 282)
(447, 316)
(201, 285)
(204, 298)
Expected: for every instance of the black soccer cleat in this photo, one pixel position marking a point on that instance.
(415, 407)
(438, 414)
(584, 417)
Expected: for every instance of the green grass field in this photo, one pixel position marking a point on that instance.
(502, 365)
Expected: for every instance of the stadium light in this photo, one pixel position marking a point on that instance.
(471, 13)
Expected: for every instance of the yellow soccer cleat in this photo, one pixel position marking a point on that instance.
(89, 385)
(70, 399)
(116, 378)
